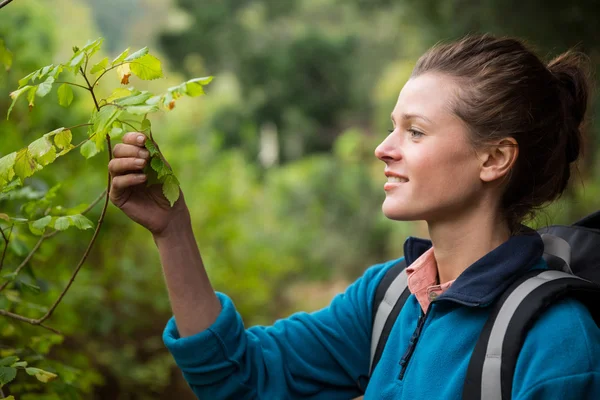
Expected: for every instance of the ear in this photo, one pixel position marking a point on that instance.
(498, 159)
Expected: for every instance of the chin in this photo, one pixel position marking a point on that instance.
(399, 213)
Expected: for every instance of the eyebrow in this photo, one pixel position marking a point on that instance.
(411, 116)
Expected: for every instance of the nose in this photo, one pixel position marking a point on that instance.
(388, 150)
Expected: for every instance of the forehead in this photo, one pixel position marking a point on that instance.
(430, 95)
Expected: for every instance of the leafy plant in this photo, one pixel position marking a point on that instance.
(126, 108)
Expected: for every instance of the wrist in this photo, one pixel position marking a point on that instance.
(180, 225)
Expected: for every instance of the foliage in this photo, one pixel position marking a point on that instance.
(274, 228)
(124, 107)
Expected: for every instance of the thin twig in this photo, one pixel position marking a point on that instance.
(28, 320)
(73, 84)
(6, 240)
(127, 123)
(105, 71)
(4, 3)
(89, 248)
(48, 236)
(91, 88)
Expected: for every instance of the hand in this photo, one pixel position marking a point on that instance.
(144, 204)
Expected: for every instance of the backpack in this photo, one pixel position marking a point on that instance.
(572, 255)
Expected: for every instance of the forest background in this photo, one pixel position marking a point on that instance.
(276, 164)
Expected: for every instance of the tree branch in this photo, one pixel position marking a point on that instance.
(91, 88)
(6, 240)
(89, 248)
(73, 84)
(48, 236)
(28, 320)
(4, 3)
(105, 71)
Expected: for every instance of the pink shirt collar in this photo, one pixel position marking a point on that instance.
(423, 279)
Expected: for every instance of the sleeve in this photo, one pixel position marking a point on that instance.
(560, 358)
(321, 355)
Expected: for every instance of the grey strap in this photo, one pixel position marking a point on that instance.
(491, 377)
(557, 247)
(385, 308)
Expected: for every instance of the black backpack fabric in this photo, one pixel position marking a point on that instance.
(573, 256)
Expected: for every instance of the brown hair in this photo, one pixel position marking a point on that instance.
(505, 90)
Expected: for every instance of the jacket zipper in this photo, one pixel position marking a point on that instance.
(413, 343)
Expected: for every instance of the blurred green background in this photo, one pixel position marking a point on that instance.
(276, 163)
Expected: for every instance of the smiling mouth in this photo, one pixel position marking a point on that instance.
(396, 179)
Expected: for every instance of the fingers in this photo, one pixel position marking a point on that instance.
(122, 166)
(134, 138)
(120, 183)
(127, 150)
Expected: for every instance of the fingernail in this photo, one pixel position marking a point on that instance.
(143, 153)
(140, 139)
(139, 162)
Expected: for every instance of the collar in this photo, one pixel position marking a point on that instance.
(491, 275)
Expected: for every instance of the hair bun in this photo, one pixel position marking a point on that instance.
(571, 70)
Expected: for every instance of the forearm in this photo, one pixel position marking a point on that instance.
(193, 300)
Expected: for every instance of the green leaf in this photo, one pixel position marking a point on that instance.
(25, 165)
(20, 364)
(151, 147)
(147, 67)
(146, 125)
(170, 189)
(49, 157)
(89, 149)
(45, 87)
(101, 66)
(121, 57)
(117, 94)
(42, 223)
(7, 361)
(105, 118)
(91, 47)
(31, 96)
(138, 54)
(25, 80)
(7, 374)
(44, 71)
(141, 110)
(6, 168)
(41, 375)
(62, 139)
(135, 99)
(194, 87)
(61, 223)
(14, 96)
(80, 222)
(6, 56)
(76, 61)
(40, 147)
(56, 71)
(160, 167)
(116, 133)
(65, 95)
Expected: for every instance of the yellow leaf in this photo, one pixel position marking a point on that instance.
(4, 217)
(124, 72)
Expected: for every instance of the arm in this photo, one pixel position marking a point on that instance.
(193, 300)
(560, 358)
(321, 355)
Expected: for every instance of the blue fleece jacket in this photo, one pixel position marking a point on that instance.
(325, 354)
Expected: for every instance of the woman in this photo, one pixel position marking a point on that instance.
(483, 134)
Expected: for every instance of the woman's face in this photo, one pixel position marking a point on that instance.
(432, 169)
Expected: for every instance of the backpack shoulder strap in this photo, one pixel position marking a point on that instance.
(390, 296)
(491, 368)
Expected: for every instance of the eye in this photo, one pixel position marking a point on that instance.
(415, 133)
